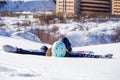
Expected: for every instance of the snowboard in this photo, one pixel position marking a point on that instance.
(89, 54)
(79, 54)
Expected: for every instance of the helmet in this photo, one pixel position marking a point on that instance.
(58, 49)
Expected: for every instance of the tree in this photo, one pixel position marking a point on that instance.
(54, 1)
(2, 3)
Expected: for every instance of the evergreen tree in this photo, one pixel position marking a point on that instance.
(2, 3)
(54, 1)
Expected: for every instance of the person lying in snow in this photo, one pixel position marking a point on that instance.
(9, 48)
(60, 48)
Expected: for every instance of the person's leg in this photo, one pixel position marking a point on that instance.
(39, 53)
(22, 51)
(9, 48)
(83, 55)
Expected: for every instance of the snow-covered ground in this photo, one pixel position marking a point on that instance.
(79, 33)
(31, 67)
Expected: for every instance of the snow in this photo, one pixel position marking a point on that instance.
(32, 67)
(28, 6)
(80, 34)
(89, 32)
(26, 35)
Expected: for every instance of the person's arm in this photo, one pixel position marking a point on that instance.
(49, 52)
(67, 53)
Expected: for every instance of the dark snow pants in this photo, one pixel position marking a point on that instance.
(75, 54)
(22, 51)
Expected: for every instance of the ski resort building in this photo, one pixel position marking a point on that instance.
(95, 6)
(116, 7)
(75, 7)
(67, 7)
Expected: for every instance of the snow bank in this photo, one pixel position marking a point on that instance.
(26, 35)
(19, 34)
(79, 33)
(4, 32)
(89, 33)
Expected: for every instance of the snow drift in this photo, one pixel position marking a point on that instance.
(26, 35)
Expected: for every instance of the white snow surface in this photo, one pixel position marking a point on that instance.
(79, 33)
(26, 35)
(32, 67)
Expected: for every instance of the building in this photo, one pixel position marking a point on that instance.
(116, 7)
(67, 7)
(74, 7)
(95, 6)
